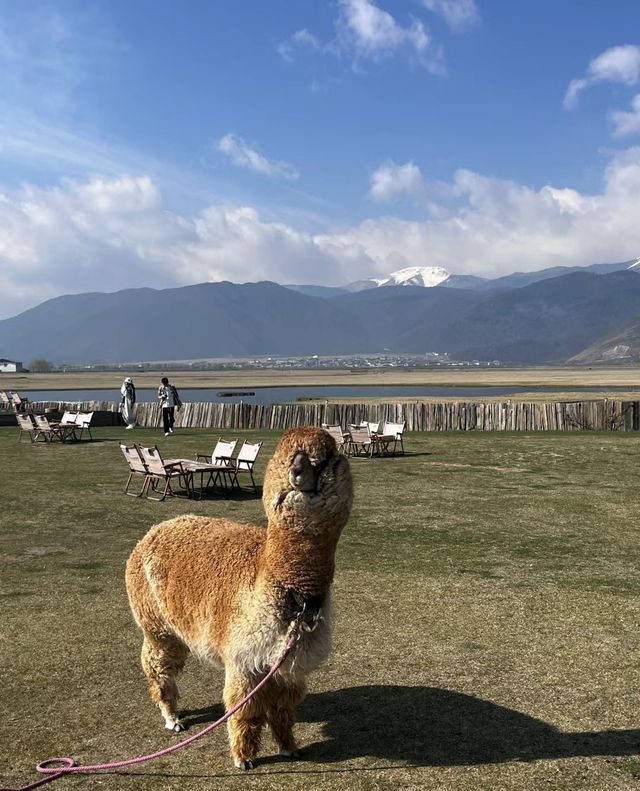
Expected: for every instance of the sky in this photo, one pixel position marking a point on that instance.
(149, 143)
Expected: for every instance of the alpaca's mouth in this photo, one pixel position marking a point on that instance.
(305, 474)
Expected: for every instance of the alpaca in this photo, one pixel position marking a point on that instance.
(228, 592)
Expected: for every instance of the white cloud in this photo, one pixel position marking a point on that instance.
(627, 123)
(81, 236)
(390, 181)
(105, 234)
(617, 64)
(373, 31)
(502, 226)
(241, 154)
(365, 31)
(458, 14)
(571, 96)
(301, 39)
(112, 233)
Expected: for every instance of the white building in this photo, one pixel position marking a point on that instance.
(10, 366)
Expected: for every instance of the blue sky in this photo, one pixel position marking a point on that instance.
(161, 144)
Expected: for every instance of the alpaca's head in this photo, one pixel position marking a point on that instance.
(307, 485)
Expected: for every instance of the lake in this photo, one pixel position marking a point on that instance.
(274, 395)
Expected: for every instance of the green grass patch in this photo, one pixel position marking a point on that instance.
(487, 600)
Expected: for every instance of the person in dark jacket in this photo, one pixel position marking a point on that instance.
(169, 401)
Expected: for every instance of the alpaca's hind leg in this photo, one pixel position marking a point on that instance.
(281, 703)
(245, 727)
(162, 660)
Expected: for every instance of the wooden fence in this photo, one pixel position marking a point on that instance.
(602, 415)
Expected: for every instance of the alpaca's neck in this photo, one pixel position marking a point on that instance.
(298, 561)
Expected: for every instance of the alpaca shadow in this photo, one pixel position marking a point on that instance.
(407, 454)
(192, 717)
(234, 495)
(435, 727)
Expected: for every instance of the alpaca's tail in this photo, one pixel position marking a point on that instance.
(140, 590)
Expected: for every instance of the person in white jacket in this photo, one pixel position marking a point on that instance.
(128, 405)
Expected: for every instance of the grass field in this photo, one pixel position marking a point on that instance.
(565, 378)
(486, 634)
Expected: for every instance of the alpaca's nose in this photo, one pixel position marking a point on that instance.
(298, 465)
(301, 473)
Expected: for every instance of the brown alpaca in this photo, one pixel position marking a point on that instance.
(228, 592)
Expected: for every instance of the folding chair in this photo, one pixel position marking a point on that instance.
(360, 442)
(338, 434)
(137, 467)
(222, 452)
(244, 463)
(221, 461)
(48, 431)
(68, 425)
(83, 423)
(26, 426)
(159, 470)
(18, 402)
(392, 432)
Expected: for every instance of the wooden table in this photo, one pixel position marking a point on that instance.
(193, 468)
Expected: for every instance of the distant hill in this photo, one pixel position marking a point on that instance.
(205, 320)
(438, 277)
(623, 347)
(325, 292)
(464, 281)
(521, 279)
(393, 313)
(547, 321)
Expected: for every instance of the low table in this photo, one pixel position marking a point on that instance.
(194, 468)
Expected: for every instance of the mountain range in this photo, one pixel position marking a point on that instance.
(550, 316)
(434, 276)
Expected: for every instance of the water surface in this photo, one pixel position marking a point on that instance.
(275, 395)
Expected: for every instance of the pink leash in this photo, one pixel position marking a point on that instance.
(71, 766)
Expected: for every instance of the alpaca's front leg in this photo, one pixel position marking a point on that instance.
(281, 703)
(245, 727)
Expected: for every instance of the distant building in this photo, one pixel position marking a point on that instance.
(10, 366)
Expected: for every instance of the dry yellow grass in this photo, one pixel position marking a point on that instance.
(456, 377)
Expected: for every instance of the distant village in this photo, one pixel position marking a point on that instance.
(349, 362)
(284, 362)
(431, 360)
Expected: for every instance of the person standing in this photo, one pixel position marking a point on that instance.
(128, 405)
(169, 400)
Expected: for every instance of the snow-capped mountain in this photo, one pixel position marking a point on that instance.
(426, 276)
(437, 276)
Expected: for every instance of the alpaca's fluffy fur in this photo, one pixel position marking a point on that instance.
(223, 591)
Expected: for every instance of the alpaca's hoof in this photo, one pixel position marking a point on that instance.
(288, 753)
(244, 765)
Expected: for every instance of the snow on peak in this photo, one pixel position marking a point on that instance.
(426, 276)
(634, 264)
